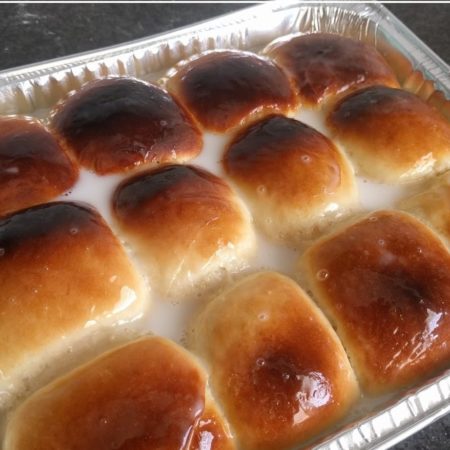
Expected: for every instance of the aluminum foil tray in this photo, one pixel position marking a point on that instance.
(33, 88)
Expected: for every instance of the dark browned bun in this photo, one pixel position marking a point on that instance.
(293, 177)
(385, 283)
(33, 167)
(276, 365)
(185, 224)
(146, 395)
(117, 124)
(324, 65)
(392, 135)
(61, 270)
(223, 89)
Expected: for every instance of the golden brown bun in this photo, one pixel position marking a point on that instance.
(62, 273)
(292, 176)
(223, 89)
(432, 205)
(211, 431)
(33, 167)
(385, 283)
(117, 124)
(392, 135)
(147, 395)
(323, 65)
(185, 224)
(276, 365)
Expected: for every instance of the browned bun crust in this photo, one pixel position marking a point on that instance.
(148, 394)
(116, 124)
(61, 268)
(185, 224)
(33, 167)
(292, 176)
(324, 65)
(222, 89)
(392, 135)
(385, 283)
(276, 365)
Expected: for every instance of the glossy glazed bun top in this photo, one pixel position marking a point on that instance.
(324, 65)
(385, 283)
(117, 124)
(392, 135)
(223, 89)
(33, 167)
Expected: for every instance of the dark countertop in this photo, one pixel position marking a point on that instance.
(31, 33)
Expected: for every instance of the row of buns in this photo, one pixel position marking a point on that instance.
(314, 183)
(115, 125)
(276, 366)
(280, 369)
(277, 373)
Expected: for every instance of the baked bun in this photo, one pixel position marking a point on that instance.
(186, 225)
(117, 124)
(148, 394)
(391, 135)
(222, 89)
(324, 65)
(432, 205)
(275, 363)
(33, 167)
(62, 274)
(385, 283)
(292, 176)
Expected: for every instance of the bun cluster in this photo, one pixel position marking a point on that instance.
(270, 361)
